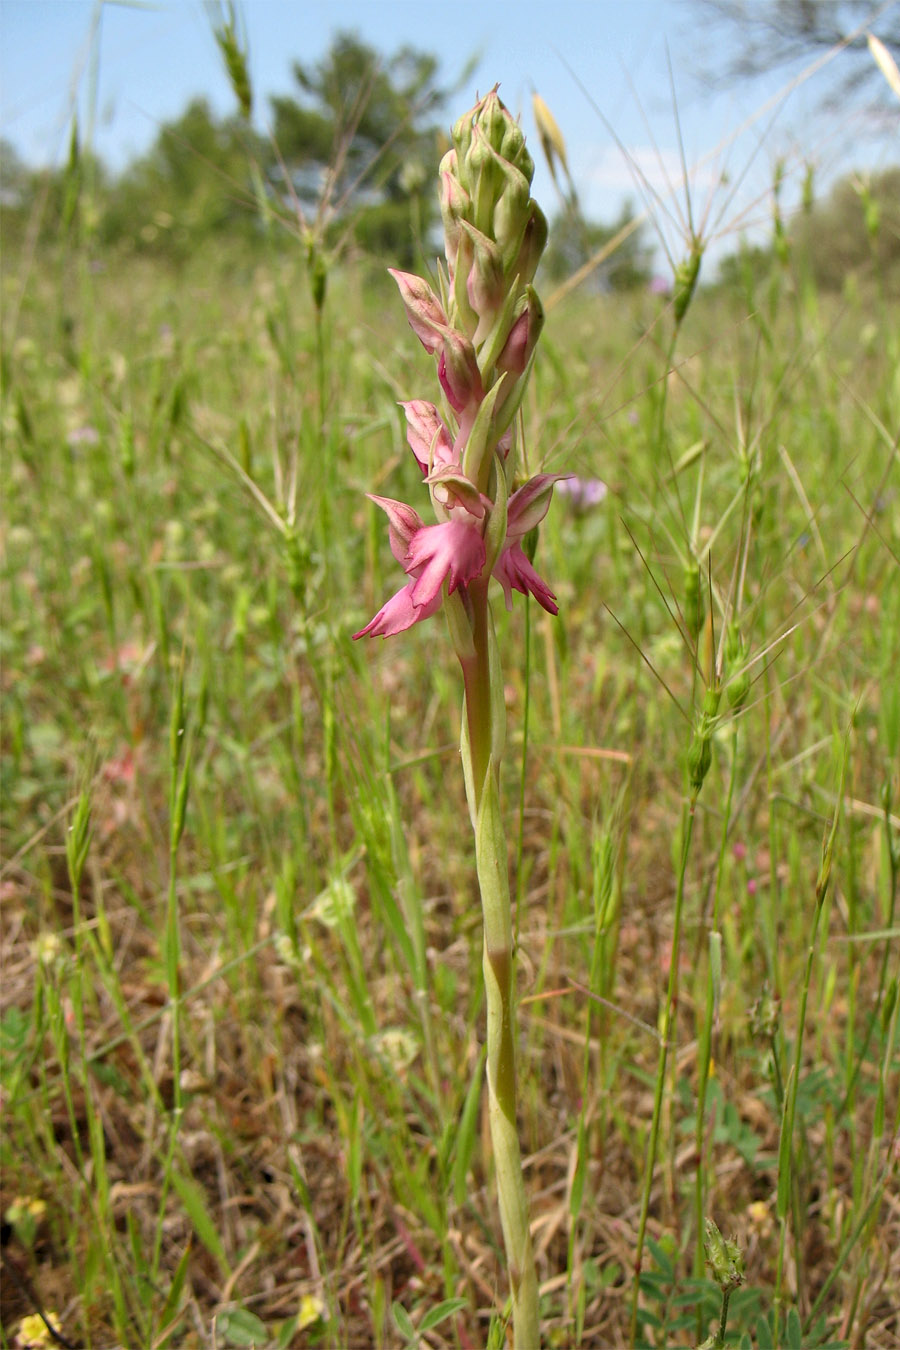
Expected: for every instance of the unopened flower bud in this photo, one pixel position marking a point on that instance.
(458, 371)
(723, 1256)
(686, 274)
(764, 1015)
(455, 205)
(534, 241)
(461, 311)
(484, 283)
(700, 751)
(693, 608)
(523, 336)
(494, 119)
(480, 175)
(461, 132)
(512, 212)
(423, 309)
(513, 148)
(428, 438)
(738, 686)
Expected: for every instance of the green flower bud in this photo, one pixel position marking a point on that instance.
(494, 120)
(462, 314)
(455, 206)
(461, 132)
(700, 750)
(723, 1257)
(512, 214)
(485, 288)
(738, 685)
(534, 241)
(693, 607)
(699, 760)
(479, 169)
(764, 1016)
(686, 274)
(514, 150)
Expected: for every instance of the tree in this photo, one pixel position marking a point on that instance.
(50, 200)
(193, 182)
(358, 147)
(856, 227)
(574, 240)
(759, 35)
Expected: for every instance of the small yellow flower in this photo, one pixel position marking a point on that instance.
(32, 1332)
(312, 1309)
(760, 1218)
(30, 1205)
(47, 949)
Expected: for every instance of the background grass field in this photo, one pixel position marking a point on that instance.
(241, 1008)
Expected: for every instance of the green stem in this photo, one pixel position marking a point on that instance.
(706, 1030)
(477, 679)
(687, 829)
(787, 1197)
(526, 710)
(499, 969)
(723, 1319)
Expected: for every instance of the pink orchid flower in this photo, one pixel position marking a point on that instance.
(454, 550)
(430, 555)
(527, 508)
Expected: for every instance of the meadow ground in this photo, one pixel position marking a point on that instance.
(242, 996)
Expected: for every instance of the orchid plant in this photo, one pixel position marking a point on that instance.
(482, 328)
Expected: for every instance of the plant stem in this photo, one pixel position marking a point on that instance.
(704, 1053)
(687, 828)
(499, 967)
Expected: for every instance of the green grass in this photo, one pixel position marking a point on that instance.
(241, 1007)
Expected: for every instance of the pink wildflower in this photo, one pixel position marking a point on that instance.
(429, 439)
(454, 550)
(527, 508)
(430, 555)
(423, 309)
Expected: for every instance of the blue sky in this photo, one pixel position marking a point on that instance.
(131, 67)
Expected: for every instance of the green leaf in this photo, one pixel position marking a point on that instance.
(794, 1330)
(783, 1201)
(194, 1203)
(240, 1327)
(662, 1258)
(173, 1298)
(764, 1338)
(580, 1169)
(442, 1311)
(286, 1333)
(467, 1133)
(404, 1325)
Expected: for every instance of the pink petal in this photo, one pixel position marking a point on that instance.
(403, 523)
(458, 371)
(429, 439)
(400, 613)
(423, 309)
(512, 569)
(528, 506)
(454, 550)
